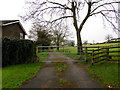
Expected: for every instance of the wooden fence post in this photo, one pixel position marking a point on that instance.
(98, 50)
(37, 52)
(86, 54)
(107, 54)
(92, 56)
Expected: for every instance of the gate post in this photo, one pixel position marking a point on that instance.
(107, 54)
(92, 56)
(86, 54)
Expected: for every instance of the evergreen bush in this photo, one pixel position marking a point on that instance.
(16, 51)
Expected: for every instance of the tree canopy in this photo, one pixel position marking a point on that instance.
(78, 11)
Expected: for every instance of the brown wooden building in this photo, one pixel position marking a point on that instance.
(13, 29)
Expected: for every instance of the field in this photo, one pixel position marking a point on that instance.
(14, 76)
(105, 73)
(73, 51)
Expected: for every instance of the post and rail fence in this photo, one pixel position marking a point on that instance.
(97, 53)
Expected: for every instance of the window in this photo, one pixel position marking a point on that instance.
(21, 35)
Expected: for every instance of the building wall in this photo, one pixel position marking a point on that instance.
(12, 31)
(0, 53)
(0, 29)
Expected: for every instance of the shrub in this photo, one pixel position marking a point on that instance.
(16, 51)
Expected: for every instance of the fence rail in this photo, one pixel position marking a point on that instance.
(110, 53)
(97, 53)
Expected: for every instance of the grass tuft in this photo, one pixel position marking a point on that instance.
(61, 67)
(62, 81)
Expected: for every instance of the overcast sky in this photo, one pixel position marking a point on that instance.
(93, 29)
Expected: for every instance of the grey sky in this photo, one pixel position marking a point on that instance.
(93, 29)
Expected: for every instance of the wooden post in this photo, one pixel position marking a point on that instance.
(107, 54)
(98, 50)
(92, 56)
(86, 54)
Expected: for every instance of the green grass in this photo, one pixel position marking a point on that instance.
(106, 44)
(103, 50)
(14, 76)
(81, 63)
(61, 66)
(62, 81)
(0, 78)
(73, 51)
(105, 74)
(43, 56)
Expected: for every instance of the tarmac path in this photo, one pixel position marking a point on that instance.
(76, 76)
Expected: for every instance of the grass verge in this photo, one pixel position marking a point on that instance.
(14, 76)
(106, 74)
(82, 63)
(0, 78)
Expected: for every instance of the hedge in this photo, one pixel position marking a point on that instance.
(16, 51)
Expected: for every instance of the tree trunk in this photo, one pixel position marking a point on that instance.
(79, 43)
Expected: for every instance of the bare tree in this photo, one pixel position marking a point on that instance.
(108, 37)
(60, 33)
(59, 11)
(70, 43)
(40, 34)
(85, 42)
(34, 29)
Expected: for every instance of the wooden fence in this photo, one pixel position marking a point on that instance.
(98, 54)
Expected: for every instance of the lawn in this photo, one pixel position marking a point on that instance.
(0, 78)
(106, 44)
(14, 76)
(105, 73)
(70, 52)
(103, 50)
(73, 51)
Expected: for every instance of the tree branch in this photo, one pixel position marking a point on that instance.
(64, 6)
(108, 20)
(103, 5)
(51, 8)
(99, 12)
(61, 18)
(87, 16)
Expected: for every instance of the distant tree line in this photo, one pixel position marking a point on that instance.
(55, 36)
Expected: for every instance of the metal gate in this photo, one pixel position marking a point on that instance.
(55, 54)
